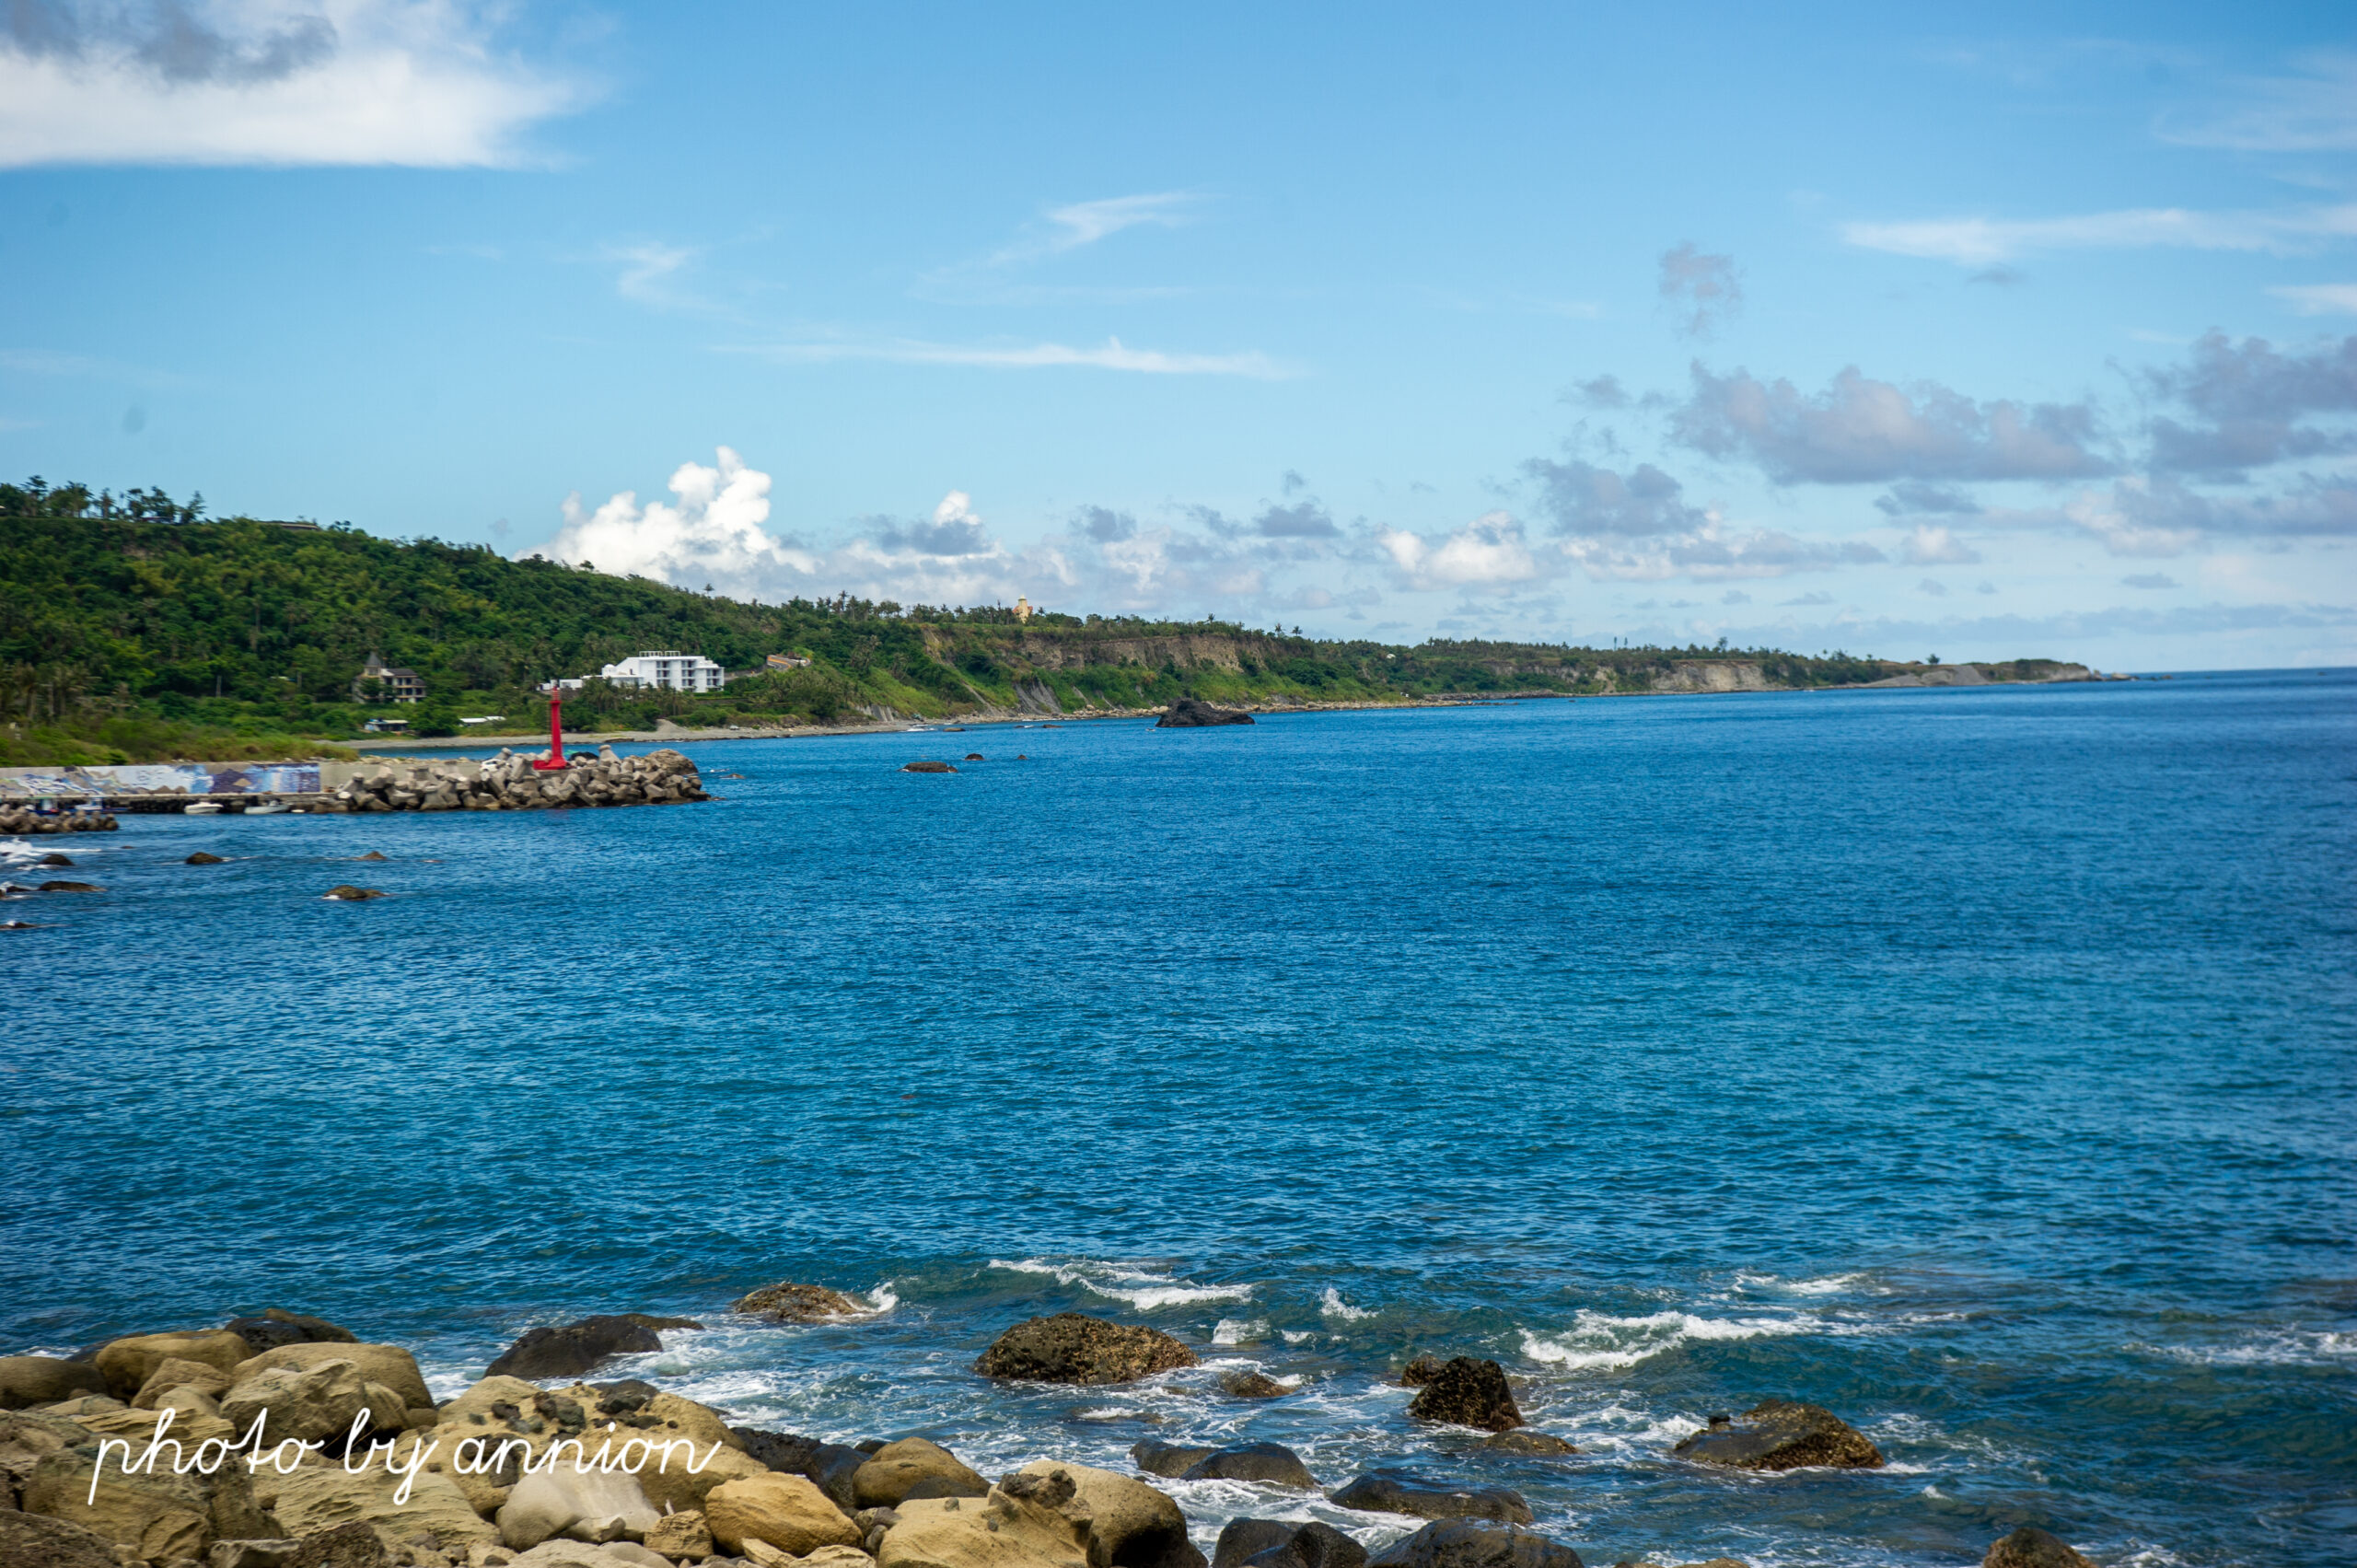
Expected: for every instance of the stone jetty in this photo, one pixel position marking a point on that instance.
(17, 819)
(509, 783)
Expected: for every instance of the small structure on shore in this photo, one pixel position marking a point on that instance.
(380, 682)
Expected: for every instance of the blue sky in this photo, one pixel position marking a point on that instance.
(1979, 332)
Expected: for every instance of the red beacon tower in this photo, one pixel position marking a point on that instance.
(554, 761)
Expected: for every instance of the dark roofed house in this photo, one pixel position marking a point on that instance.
(394, 684)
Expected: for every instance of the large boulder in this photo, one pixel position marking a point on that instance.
(783, 1511)
(682, 1536)
(175, 1373)
(1072, 1347)
(569, 1351)
(791, 1303)
(29, 1380)
(1272, 1463)
(29, 1540)
(1396, 1492)
(321, 1495)
(1026, 1521)
(159, 1516)
(1240, 1541)
(129, 1362)
(1782, 1434)
(832, 1468)
(503, 1411)
(1467, 1392)
(564, 1501)
(1188, 712)
(1132, 1525)
(1253, 1386)
(324, 1401)
(1460, 1543)
(389, 1364)
(1168, 1460)
(1418, 1372)
(1535, 1444)
(913, 1467)
(2030, 1547)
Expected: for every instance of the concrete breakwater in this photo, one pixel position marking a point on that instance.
(510, 783)
(17, 819)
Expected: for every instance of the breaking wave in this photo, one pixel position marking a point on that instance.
(1597, 1339)
(1146, 1289)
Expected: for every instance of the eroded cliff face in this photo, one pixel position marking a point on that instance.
(1207, 652)
(1715, 676)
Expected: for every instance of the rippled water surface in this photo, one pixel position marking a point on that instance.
(1977, 1064)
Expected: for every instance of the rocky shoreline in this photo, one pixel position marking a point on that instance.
(284, 1441)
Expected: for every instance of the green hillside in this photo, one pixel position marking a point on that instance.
(136, 630)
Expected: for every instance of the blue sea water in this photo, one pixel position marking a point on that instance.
(1975, 1063)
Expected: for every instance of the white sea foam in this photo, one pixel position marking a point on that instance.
(2282, 1347)
(1333, 1306)
(1600, 1339)
(1827, 1284)
(1144, 1289)
(1295, 1337)
(1237, 1330)
(883, 1298)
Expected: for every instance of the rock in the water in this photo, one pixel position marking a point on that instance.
(1270, 1462)
(1458, 1543)
(1418, 1372)
(29, 1540)
(1467, 1392)
(345, 892)
(1187, 712)
(1252, 1386)
(53, 858)
(926, 768)
(29, 1380)
(1243, 1539)
(2032, 1548)
(1168, 1460)
(1396, 1492)
(783, 1511)
(974, 757)
(1131, 1525)
(1536, 1443)
(372, 854)
(913, 1467)
(201, 858)
(569, 1351)
(1074, 1348)
(1782, 1435)
(562, 1501)
(128, 1362)
(1311, 1546)
(71, 888)
(791, 1303)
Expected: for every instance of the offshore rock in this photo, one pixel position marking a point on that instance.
(1240, 1541)
(1188, 712)
(63, 887)
(1270, 1462)
(201, 858)
(1396, 1492)
(2032, 1548)
(1072, 1347)
(566, 1352)
(926, 768)
(1252, 1386)
(1418, 1372)
(345, 892)
(1782, 1435)
(1538, 1444)
(791, 1303)
(1170, 1461)
(1458, 1543)
(1465, 1392)
(1311, 1546)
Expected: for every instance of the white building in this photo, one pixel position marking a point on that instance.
(671, 671)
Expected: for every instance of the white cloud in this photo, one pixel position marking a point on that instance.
(1113, 355)
(1980, 242)
(412, 82)
(1929, 546)
(713, 534)
(1085, 223)
(2320, 298)
(2314, 110)
(1488, 553)
(645, 269)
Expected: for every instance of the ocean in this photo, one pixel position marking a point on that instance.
(1980, 1063)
